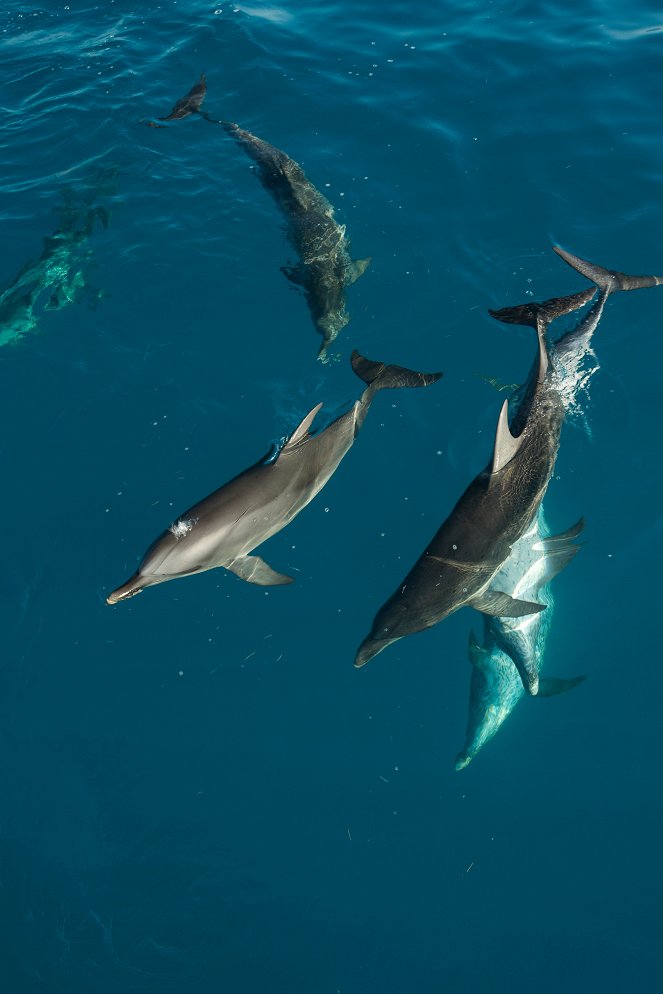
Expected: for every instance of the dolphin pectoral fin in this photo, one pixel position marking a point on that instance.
(550, 686)
(501, 605)
(356, 269)
(551, 541)
(506, 446)
(609, 280)
(559, 550)
(253, 569)
(301, 431)
(556, 559)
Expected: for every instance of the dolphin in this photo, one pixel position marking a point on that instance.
(224, 528)
(325, 266)
(470, 547)
(496, 685)
(57, 278)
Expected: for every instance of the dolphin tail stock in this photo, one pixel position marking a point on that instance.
(607, 280)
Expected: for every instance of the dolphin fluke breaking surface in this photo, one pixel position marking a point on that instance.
(190, 103)
(224, 528)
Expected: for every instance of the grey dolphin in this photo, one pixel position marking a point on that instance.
(496, 686)
(225, 527)
(460, 563)
(325, 266)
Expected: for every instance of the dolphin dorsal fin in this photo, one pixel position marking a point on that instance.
(301, 431)
(506, 446)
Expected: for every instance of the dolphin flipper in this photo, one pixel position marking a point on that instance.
(559, 551)
(609, 280)
(253, 569)
(550, 686)
(356, 269)
(501, 605)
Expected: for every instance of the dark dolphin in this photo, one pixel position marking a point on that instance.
(225, 527)
(458, 566)
(325, 266)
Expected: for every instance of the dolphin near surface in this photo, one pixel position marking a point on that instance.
(460, 563)
(325, 266)
(496, 685)
(224, 528)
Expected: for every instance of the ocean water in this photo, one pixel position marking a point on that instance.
(199, 790)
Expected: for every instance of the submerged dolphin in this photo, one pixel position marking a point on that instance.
(458, 566)
(325, 267)
(225, 527)
(496, 686)
(58, 277)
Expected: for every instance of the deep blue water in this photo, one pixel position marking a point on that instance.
(199, 791)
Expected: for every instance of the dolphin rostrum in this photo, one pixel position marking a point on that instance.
(496, 686)
(325, 266)
(458, 566)
(224, 528)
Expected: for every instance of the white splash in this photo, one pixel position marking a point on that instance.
(182, 527)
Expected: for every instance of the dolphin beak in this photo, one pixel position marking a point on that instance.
(127, 590)
(369, 648)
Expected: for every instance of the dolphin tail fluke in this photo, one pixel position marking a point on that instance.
(531, 314)
(190, 103)
(550, 686)
(608, 280)
(379, 376)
